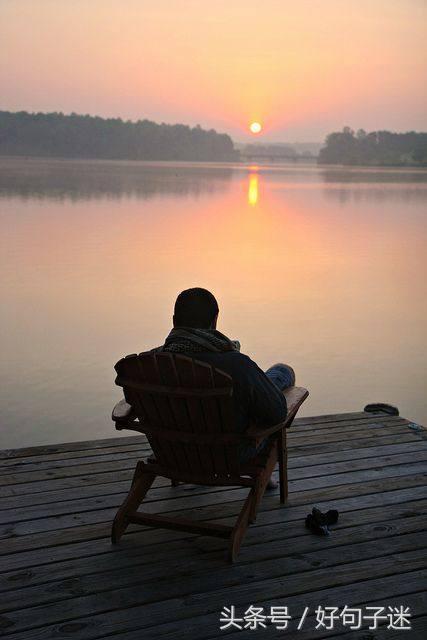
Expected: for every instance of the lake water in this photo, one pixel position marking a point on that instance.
(321, 268)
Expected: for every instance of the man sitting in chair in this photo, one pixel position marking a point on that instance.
(258, 396)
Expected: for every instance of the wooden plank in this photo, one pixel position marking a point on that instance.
(134, 548)
(295, 449)
(119, 483)
(295, 461)
(335, 417)
(364, 432)
(81, 445)
(64, 529)
(346, 427)
(312, 496)
(216, 455)
(91, 540)
(155, 586)
(90, 462)
(161, 488)
(180, 524)
(64, 472)
(100, 514)
(206, 626)
(104, 454)
(418, 629)
(177, 408)
(72, 457)
(355, 582)
(336, 455)
(358, 443)
(84, 449)
(69, 447)
(19, 517)
(150, 405)
(79, 450)
(37, 463)
(59, 575)
(289, 555)
(209, 626)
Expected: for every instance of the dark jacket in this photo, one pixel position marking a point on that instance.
(257, 400)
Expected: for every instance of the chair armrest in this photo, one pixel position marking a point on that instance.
(123, 415)
(259, 433)
(295, 396)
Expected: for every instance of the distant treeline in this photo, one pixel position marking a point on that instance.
(378, 148)
(275, 151)
(76, 136)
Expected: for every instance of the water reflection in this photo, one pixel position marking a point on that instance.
(86, 180)
(333, 289)
(374, 175)
(253, 189)
(374, 184)
(377, 193)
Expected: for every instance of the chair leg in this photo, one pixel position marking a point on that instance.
(141, 483)
(239, 529)
(283, 465)
(262, 481)
(259, 490)
(139, 470)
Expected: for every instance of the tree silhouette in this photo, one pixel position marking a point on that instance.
(378, 148)
(84, 136)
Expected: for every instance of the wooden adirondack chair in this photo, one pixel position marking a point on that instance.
(185, 408)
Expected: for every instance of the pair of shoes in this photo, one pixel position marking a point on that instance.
(319, 522)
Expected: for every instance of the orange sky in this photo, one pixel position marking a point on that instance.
(302, 68)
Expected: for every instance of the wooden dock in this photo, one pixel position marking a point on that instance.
(61, 578)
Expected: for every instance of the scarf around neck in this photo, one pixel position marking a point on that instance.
(189, 340)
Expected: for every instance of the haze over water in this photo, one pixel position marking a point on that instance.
(321, 268)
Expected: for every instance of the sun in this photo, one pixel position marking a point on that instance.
(255, 127)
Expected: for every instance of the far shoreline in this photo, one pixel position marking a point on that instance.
(212, 163)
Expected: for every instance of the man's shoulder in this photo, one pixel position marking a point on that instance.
(235, 363)
(238, 365)
(222, 356)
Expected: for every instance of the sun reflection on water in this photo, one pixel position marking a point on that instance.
(253, 189)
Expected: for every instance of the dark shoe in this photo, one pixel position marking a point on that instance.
(319, 529)
(319, 522)
(332, 516)
(328, 518)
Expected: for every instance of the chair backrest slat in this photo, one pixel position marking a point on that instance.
(185, 370)
(173, 392)
(143, 403)
(151, 374)
(227, 420)
(214, 459)
(178, 412)
(214, 421)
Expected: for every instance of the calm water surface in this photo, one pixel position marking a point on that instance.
(321, 268)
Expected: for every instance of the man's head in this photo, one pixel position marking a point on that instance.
(196, 308)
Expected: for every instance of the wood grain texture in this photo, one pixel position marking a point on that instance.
(61, 578)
